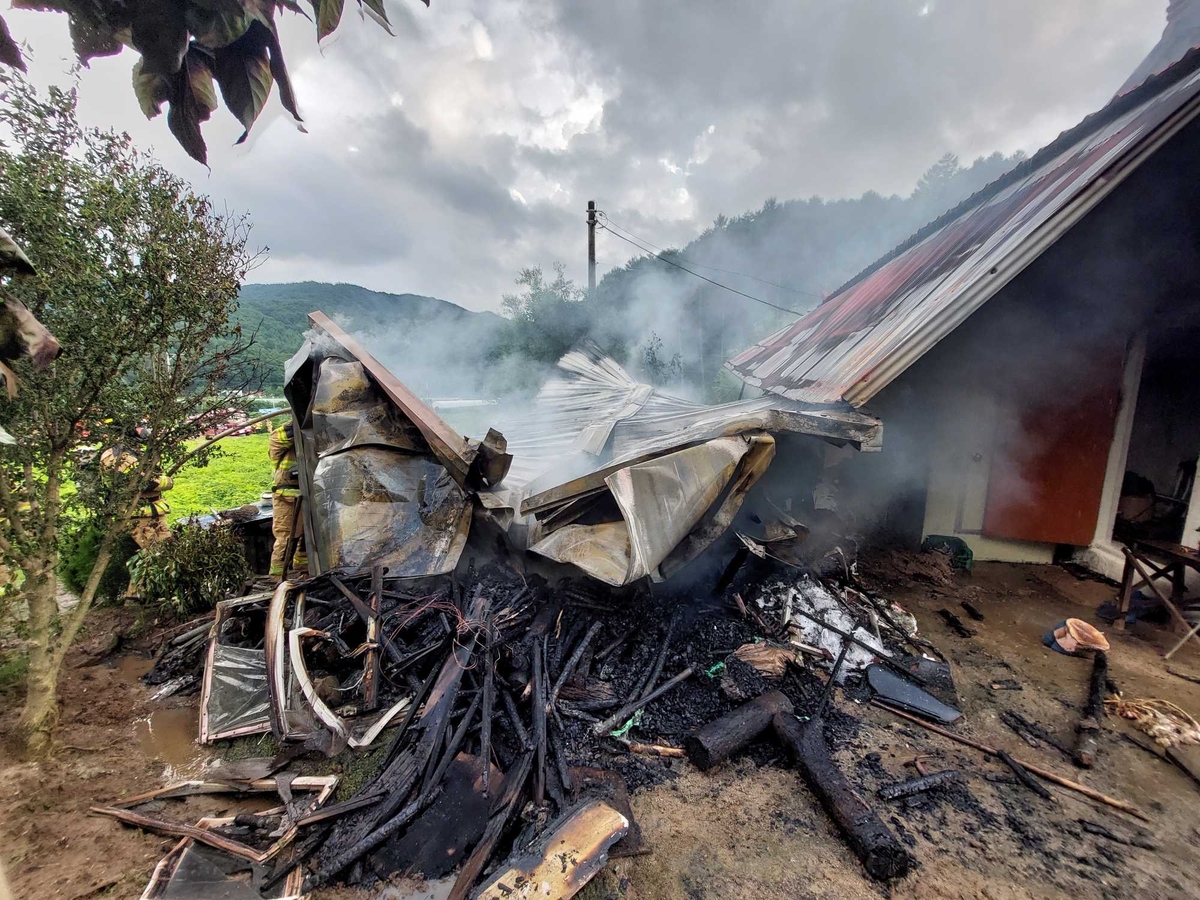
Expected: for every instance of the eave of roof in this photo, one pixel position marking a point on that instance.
(874, 327)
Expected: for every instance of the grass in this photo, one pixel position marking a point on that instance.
(237, 475)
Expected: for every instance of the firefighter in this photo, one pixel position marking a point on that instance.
(285, 490)
(148, 521)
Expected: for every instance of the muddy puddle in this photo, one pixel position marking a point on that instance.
(166, 733)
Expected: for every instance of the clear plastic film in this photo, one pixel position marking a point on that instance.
(238, 701)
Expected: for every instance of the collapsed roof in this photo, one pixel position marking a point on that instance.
(606, 474)
(872, 329)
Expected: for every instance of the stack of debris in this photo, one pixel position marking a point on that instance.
(513, 712)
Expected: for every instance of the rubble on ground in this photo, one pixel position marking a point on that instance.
(498, 625)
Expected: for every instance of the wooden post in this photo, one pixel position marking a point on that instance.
(733, 732)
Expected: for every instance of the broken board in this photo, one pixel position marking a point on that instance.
(436, 843)
(609, 786)
(563, 859)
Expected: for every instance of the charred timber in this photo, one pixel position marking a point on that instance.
(955, 623)
(876, 847)
(1088, 729)
(630, 708)
(733, 732)
(503, 808)
(1024, 777)
(920, 785)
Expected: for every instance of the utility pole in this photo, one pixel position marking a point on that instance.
(591, 220)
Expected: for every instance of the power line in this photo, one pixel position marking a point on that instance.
(672, 262)
(782, 287)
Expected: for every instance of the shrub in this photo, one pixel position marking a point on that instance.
(192, 569)
(80, 546)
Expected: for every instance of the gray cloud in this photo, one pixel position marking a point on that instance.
(442, 160)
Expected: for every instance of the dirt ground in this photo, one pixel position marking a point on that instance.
(743, 830)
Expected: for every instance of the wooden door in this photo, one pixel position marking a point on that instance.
(1047, 471)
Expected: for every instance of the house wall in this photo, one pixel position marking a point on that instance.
(1132, 263)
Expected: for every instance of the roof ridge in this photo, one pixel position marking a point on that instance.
(1117, 106)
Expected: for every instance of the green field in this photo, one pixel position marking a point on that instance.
(238, 474)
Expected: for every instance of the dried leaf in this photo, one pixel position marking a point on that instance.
(12, 256)
(10, 53)
(279, 70)
(193, 99)
(159, 32)
(329, 16)
(152, 91)
(243, 71)
(92, 39)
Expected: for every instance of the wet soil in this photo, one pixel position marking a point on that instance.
(749, 828)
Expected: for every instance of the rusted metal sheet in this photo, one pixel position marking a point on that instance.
(856, 342)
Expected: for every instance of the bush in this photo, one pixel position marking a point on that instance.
(192, 569)
(78, 553)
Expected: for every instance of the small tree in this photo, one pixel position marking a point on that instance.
(138, 278)
(656, 368)
(547, 318)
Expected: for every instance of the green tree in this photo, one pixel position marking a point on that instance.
(187, 45)
(138, 277)
(545, 319)
(656, 368)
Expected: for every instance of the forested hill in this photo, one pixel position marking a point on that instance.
(671, 327)
(390, 323)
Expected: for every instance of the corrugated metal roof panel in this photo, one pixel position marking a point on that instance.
(851, 346)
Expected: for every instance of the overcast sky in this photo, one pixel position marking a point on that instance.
(442, 160)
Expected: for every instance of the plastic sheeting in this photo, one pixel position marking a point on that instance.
(193, 871)
(376, 493)
(238, 700)
(671, 509)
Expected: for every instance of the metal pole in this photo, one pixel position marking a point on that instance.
(591, 223)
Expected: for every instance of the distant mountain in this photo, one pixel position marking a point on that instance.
(417, 337)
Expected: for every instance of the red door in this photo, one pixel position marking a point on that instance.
(1047, 469)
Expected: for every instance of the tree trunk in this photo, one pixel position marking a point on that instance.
(35, 730)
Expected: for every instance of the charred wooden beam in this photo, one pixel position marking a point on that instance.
(972, 611)
(514, 719)
(489, 702)
(919, 785)
(367, 614)
(1023, 776)
(560, 758)
(630, 708)
(371, 665)
(647, 686)
(733, 732)
(504, 806)
(955, 623)
(563, 859)
(435, 778)
(538, 732)
(612, 647)
(876, 847)
(573, 660)
(370, 842)
(1088, 728)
